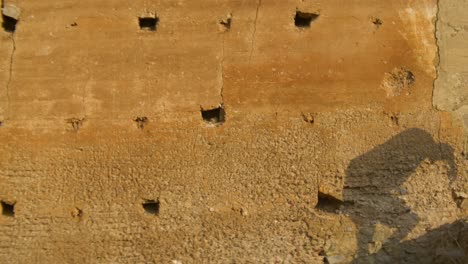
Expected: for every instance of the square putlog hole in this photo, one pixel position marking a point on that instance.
(304, 19)
(148, 23)
(9, 24)
(8, 209)
(10, 16)
(328, 203)
(151, 207)
(214, 116)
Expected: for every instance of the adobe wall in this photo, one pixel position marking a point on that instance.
(450, 93)
(223, 131)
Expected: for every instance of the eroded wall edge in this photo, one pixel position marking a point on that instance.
(450, 86)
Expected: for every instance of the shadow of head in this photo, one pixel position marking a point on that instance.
(445, 244)
(398, 157)
(375, 179)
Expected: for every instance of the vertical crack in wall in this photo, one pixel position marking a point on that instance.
(437, 55)
(221, 69)
(10, 15)
(437, 65)
(10, 75)
(448, 94)
(252, 43)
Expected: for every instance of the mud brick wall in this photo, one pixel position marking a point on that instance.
(229, 131)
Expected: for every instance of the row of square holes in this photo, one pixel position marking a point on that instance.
(301, 20)
(213, 117)
(150, 206)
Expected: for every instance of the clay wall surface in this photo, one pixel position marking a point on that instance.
(222, 131)
(450, 91)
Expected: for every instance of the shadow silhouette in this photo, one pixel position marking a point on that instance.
(447, 244)
(373, 183)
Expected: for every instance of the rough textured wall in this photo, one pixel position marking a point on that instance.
(228, 131)
(451, 92)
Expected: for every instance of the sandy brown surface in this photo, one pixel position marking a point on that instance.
(224, 132)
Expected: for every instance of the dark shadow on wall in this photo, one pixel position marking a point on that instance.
(447, 244)
(373, 184)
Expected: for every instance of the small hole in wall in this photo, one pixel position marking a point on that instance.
(304, 19)
(9, 24)
(148, 23)
(308, 118)
(225, 24)
(10, 16)
(151, 207)
(394, 120)
(328, 203)
(214, 116)
(459, 198)
(8, 209)
(76, 213)
(398, 81)
(75, 123)
(141, 121)
(377, 22)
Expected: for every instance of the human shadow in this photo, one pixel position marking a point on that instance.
(373, 185)
(445, 244)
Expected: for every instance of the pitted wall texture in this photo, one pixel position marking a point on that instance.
(329, 150)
